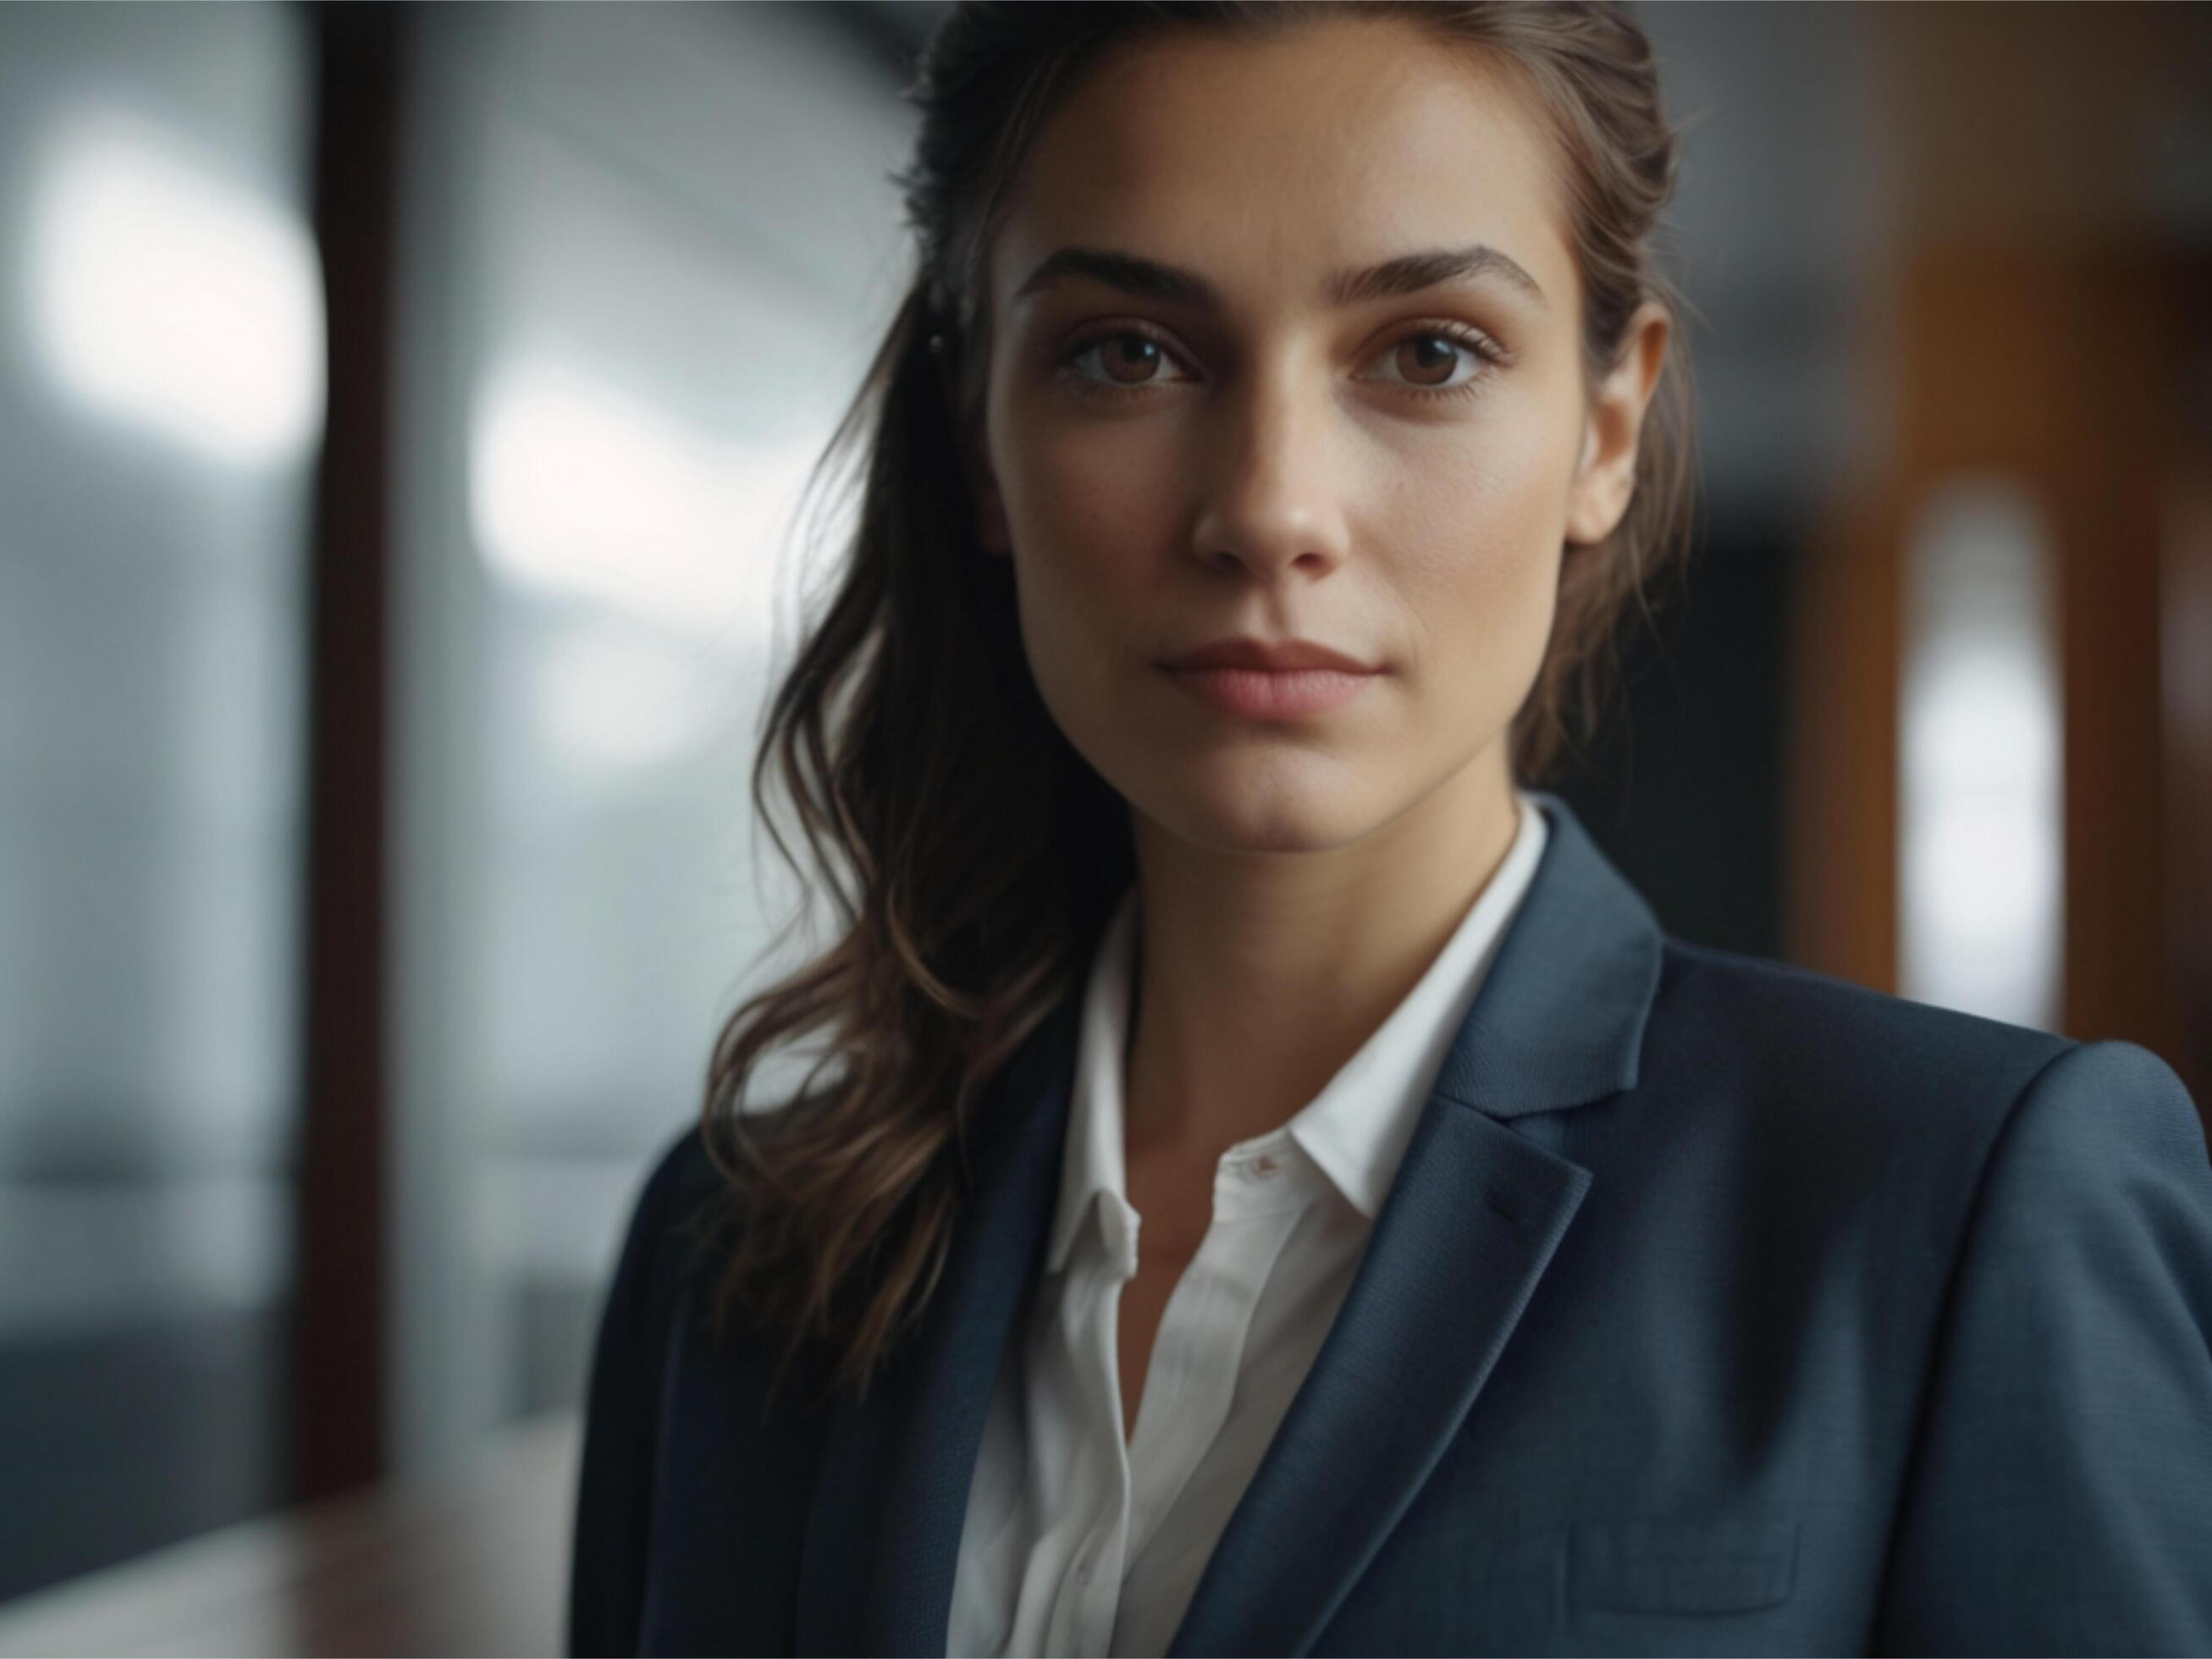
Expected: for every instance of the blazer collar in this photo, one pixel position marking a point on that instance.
(1561, 1021)
(1469, 1225)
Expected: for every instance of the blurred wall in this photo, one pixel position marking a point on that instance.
(161, 361)
(642, 254)
(2034, 333)
(645, 258)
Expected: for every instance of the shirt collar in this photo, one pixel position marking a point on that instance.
(1357, 1129)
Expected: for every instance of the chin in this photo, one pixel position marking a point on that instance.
(1278, 804)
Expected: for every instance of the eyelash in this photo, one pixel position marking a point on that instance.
(1474, 339)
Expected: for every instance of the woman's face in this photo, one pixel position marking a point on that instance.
(1284, 346)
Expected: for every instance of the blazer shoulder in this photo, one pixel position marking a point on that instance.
(683, 1195)
(2097, 1101)
(1885, 1062)
(2071, 1384)
(682, 1175)
(1876, 1092)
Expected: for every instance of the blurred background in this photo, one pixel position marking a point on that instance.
(401, 413)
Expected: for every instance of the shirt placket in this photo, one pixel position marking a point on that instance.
(1199, 1348)
(1091, 1589)
(1261, 1189)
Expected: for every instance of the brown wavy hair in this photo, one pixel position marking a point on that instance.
(971, 856)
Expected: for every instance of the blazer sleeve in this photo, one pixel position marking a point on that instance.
(2060, 1495)
(622, 1414)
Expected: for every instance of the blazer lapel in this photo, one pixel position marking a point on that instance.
(883, 1535)
(1473, 1218)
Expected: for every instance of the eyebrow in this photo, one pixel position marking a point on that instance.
(1408, 273)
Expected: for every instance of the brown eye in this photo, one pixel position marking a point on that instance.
(1428, 359)
(1428, 362)
(1128, 359)
(1131, 360)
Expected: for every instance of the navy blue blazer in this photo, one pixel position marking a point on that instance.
(1718, 1307)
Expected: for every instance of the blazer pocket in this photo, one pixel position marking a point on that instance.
(1680, 1567)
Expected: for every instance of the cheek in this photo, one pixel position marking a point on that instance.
(1079, 483)
(1478, 547)
(1090, 512)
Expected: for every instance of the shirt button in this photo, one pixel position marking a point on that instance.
(1264, 1165)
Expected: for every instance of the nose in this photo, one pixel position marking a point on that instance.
(1270, 504)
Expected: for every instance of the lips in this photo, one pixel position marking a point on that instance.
(1269, 656)
(1259, 680)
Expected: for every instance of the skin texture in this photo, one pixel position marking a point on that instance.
(1278, 470)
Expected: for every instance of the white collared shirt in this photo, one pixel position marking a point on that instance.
(1077, 1542)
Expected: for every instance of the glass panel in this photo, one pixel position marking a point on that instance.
(1981, 828)
(160, 394)
(652, 263)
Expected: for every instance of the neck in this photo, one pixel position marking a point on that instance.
(1259, 974)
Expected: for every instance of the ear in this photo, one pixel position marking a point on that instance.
(1605, 475)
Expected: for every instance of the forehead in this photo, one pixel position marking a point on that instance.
(1267, 161)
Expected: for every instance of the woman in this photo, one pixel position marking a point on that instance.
(1266, 1183)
